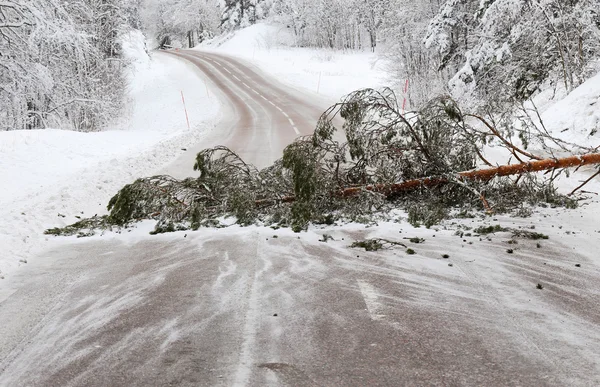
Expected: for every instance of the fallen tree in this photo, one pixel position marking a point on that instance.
(425, 162)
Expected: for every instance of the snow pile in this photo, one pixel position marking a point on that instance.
(51, 176)
(135, 49)
(58, 155)
(576, 118)
(155, 88)
(327, 72)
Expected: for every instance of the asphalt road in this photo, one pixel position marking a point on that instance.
(238, 307)
(260, 115)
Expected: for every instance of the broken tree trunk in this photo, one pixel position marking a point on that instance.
(481, 174)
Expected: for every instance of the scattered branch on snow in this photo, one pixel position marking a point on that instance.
(376, 244)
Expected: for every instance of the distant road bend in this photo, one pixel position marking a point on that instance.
(261, 116)
(237, 307)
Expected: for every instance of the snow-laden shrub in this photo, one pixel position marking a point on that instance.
(60, 64)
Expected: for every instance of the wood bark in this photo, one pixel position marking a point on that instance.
(481, 174)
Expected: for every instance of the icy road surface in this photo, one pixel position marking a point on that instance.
(238, 307)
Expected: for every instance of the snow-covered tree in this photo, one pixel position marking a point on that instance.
(196, 19)
(503, 50)
(372, 14)
(339, 24)
(242, 13)
(404, 27)
(181, 22)
(60, 63)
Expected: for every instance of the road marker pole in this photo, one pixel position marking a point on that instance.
(185, 110)
(405, 92)
(319, 84)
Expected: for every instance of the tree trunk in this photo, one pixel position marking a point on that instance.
(373, 39)
(191, 38)
(481, 174)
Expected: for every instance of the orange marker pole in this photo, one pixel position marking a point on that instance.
(185, 110)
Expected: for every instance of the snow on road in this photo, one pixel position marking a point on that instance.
(51, 173)
(51, 176)
(255, 306)
(480, 298)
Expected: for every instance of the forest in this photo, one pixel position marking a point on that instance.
(61, 64)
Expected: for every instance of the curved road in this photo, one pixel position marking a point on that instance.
(260, 115)
(239, 307)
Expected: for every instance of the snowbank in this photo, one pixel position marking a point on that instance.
(51, 176)
(576, 118)
(330, 73)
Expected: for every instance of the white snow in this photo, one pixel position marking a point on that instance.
(52, 172)
(577, 115)
(571, 117)
(271, 47)
(51, 176)
(45, 173)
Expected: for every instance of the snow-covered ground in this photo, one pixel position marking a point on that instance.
(576, 118)
(330, 73)
(50, 176)
(57, 175)
(54, 173)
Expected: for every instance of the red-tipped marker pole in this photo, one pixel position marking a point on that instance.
(185, 110)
